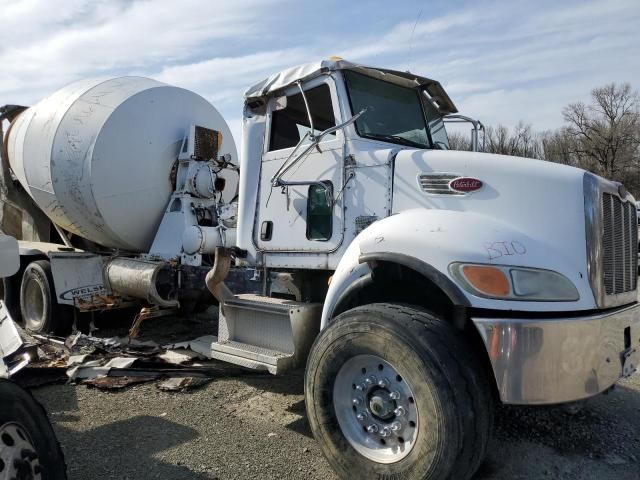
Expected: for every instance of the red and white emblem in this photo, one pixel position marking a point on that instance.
(465, 184)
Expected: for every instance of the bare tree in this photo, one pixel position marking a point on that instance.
(459, 141)
(606, 132)
(521, 142)
(559, 146)
(602, 137)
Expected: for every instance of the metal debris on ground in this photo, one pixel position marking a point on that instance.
(116, 362)
(146, 313)
(82, 343)
(98, 368)
(179, 356)
(116, 383)
(201, 345)
(175, 384)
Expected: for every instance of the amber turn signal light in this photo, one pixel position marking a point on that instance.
(487, 279)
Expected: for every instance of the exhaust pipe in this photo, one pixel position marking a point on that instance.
(143, 279)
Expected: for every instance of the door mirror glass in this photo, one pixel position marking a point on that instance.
(320, 211)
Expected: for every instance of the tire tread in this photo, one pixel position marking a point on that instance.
(468, 385)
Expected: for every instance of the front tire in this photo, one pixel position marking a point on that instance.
(395, 392)
(28, 445)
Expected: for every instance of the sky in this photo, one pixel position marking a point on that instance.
(501, 62)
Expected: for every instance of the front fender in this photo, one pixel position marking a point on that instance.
(436, 238)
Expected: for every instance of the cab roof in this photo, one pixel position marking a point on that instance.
(307, 71)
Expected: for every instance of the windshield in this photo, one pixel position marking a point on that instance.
(393, 113)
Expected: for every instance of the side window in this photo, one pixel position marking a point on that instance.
(319, 218)
(290, 124)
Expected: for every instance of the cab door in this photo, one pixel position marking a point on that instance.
(302, 217)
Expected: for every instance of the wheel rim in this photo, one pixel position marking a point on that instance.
(375, 409)
(18, 457)
(33, 304)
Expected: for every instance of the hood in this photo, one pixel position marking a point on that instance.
(541, 200)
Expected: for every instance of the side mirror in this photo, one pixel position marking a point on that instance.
(9, 256)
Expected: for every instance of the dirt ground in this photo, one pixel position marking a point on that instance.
(253, 426)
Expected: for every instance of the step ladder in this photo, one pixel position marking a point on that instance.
(264, 333)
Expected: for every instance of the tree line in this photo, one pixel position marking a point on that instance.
(602, 136)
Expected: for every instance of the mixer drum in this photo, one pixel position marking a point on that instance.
(97, 155)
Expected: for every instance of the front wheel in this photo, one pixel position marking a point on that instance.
(395, 392)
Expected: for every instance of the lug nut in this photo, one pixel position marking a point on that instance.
(385, 432)
(399, 412)
(362, 416)
(362, 387)
(396, 426)
(372, 429)
(370, 380)
(394, 395)
(356, 401)
(384, 383)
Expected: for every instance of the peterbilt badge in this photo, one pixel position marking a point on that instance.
(465, 184)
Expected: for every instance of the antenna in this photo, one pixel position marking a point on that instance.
(411, 38)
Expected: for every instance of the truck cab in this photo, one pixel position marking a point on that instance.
(347, 178)
(315, 192)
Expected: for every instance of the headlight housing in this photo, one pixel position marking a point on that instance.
(505, 282)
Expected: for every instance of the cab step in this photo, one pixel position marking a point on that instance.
(265, 333)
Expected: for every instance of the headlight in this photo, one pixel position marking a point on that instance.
(514, 283)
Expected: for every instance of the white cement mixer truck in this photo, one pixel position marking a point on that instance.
(418, 284)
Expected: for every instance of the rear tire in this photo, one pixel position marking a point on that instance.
(40, 310)
(28, 445)
(448, 418)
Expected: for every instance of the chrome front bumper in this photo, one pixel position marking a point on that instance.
(545, 361)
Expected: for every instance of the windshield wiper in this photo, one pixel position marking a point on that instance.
(396, 139)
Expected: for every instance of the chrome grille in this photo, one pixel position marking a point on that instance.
(438, 183)
(619, 245)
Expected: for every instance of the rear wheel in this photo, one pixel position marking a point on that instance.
(394, 392)
(38, 305)
(28, 446)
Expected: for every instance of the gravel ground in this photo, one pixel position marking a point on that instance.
(251, 426)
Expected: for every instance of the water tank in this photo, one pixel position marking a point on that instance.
(97, 156)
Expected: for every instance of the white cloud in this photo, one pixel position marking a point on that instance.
(501, 61)
(67, 41)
